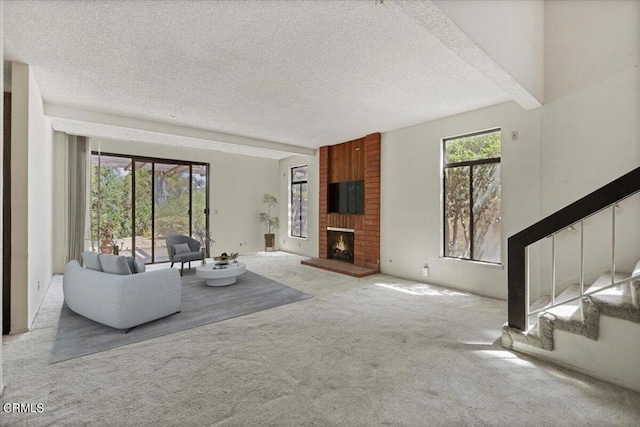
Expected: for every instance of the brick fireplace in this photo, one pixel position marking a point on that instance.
(351, 166)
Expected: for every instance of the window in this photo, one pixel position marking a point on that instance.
(137, 201)
(299, 201)
(472, 205)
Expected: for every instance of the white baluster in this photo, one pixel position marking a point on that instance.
(553, 269)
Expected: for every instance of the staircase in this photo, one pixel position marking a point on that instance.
(597, 333)
(580, 315)
(592, 328)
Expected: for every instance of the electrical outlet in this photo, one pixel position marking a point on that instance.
(514, 135)
(425, 270)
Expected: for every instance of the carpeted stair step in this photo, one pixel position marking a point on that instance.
(540, 303)
(581, 316)
(620, 293)
(572, 291)
(617, 301)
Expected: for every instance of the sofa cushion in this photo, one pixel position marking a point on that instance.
(91, 260)
(114, 264)
(181, 248)
(189, 256)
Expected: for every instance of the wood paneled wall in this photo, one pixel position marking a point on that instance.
(346, 161)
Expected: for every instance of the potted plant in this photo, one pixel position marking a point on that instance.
(108, 239)
(206, 241)
(270, 222)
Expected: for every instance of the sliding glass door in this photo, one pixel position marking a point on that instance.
(137, 202)
(111, 200)
(171, 202)
(143, 211)
(199, 202)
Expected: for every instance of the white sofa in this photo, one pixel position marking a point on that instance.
(121, 301)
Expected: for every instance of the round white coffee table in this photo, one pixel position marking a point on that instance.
(221, 276)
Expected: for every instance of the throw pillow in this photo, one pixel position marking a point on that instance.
(132, 264)
(181, 248)
(91, 260)
(114, 264)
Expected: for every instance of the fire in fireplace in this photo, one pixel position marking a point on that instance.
(340, 244)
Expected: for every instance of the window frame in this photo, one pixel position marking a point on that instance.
(470, 164)
(291, 198)
(133, 160)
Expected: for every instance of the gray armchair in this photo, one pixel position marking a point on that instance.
(178, 253)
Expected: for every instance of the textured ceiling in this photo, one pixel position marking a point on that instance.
(296, 72)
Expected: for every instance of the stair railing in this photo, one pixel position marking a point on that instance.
(606, 197)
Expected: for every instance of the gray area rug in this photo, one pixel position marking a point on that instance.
(78, 336)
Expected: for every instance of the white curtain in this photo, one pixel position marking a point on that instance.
(78, 159)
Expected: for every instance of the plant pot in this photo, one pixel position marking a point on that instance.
(269, 242)
(106, 247)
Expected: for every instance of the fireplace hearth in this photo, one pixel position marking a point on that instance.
(340, 244)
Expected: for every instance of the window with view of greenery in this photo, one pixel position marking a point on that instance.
(299, 201)
(472, 205)
(137, 202)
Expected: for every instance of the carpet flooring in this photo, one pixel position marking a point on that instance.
(376, 351)
(78, 336)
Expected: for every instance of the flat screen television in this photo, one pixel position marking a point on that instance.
(346, 197)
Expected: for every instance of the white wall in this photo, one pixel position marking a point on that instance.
(590, 123)
(511, 32)
(237, 186)
(588, 42)
(40, 192)
(31, 209)
(411, 213)
(309, 246)
(584, 137)
(590, 132)
(60, 206)
(613, 357)
(19, 205)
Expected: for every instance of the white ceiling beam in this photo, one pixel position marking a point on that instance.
(437, 23)
(113, 120)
